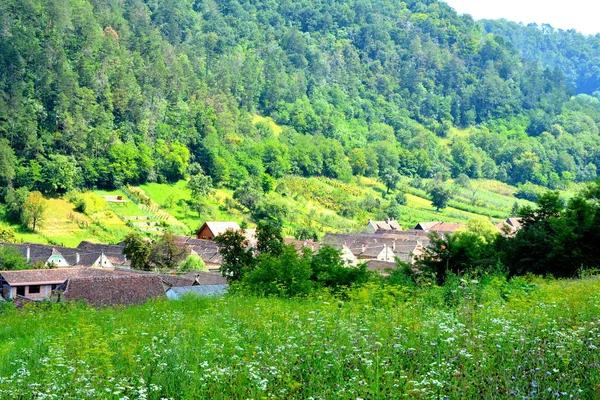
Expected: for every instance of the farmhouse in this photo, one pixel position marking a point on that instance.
(425, 226)
(208, 251)
(510, 226)
(35, 283)
(382, 226)
(405, 245)
(440, 227)
(209, 230)
(38, 284)
(86, 254)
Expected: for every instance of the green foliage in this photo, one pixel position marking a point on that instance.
(528, 191)
(165, 254)
(555, 239)
(192, 263)
(269, 238)
(270, 211)
(237, 257)
(440, 195)
(12, 259)
(15, 200)
(33, 212)
(330, 271)
(59, 174)
(7, 235)
(7, 164)
(286, 275)
(187, 92)
(137, 250)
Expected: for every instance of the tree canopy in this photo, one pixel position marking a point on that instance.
(99, 94)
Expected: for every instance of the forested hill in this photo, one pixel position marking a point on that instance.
(107, 92)
(574, 54)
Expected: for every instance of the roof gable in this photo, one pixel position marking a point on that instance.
(218, 227)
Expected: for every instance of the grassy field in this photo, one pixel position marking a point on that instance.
(63, 225)
(318, 202)
(527, 338)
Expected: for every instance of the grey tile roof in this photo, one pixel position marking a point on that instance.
(204, 290)
(380, 266)
(84, 255)
(206, 277)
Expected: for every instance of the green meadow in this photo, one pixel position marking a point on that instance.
(525, 338)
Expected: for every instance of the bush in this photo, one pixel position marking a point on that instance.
(528, 191)
(287, 275)
(192, 263)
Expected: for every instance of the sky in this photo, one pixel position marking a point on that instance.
(582, 15)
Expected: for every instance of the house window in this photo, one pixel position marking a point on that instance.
(20, 290)
(34, 289)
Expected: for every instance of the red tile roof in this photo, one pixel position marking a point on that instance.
(101, 291)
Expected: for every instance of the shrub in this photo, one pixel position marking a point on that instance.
(192, 263)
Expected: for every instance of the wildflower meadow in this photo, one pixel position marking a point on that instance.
(527, 338)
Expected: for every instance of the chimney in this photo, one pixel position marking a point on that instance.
(394, 245)
(387, 220)
(363, 248)
(28, 253)
(77, 258)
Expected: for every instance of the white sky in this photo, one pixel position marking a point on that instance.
(582, 15)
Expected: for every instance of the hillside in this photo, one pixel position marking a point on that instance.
(103, 80)
(310, 206)
(101, 96)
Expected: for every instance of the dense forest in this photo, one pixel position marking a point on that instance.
(100, 93)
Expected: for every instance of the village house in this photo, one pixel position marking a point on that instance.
(510, 226)
(34, 284)
(208, 251)
(439, 227)
(209, 230)
(86, 254)
(38, 284)
(406, 246)
(382, 226)
(425, 226)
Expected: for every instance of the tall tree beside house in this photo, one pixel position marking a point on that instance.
(238, 258)
(137, 250)
(34, 209)
(269, 238)
(14, 200)
(165, 254)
